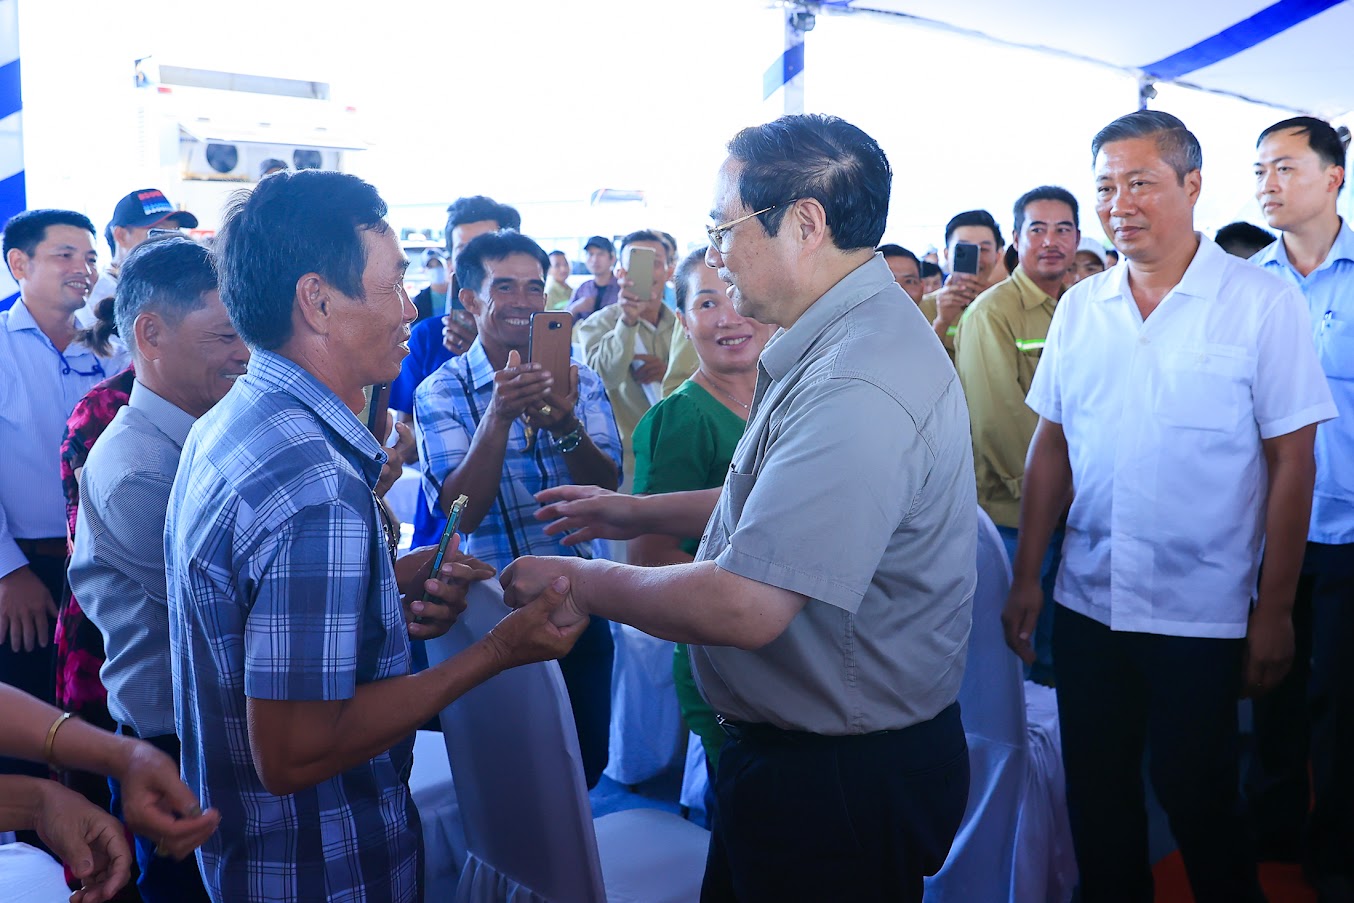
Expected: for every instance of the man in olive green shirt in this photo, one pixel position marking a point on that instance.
(628, 344)
(943, 308)
(996, 349)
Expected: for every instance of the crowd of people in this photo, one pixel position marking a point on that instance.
(774, 450)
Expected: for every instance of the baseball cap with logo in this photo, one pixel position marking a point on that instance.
(148, 207)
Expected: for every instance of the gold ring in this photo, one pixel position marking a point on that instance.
(545, 410)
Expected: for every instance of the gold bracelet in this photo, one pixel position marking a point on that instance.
(51, 737)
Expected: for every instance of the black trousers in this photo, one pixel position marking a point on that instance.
(1310, 716)
(814, 818)
(35, 672)
(1120, 693)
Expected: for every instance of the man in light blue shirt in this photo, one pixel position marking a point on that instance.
(44, 371)
(1299, 173)
(187, 356)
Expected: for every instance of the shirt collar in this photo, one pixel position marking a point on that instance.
(21, 318)
(788, 346)
(1202, 278)
(477, 363)
(165, 416)
(1031, 295)
(1342, 249)
(270, 369)
(664, 316)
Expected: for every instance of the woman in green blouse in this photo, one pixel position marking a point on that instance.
(686, 441)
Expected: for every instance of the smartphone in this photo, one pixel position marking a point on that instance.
(453, 521)
(551, 336)
(639, 264)
(965, 258)
(374, 411)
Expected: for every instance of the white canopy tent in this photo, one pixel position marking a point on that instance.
(1291, 54)
(978, 101)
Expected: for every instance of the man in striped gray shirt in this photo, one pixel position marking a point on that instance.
(187, 356)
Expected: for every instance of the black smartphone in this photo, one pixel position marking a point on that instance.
(374, 413)
(965, 258)
(453, 521)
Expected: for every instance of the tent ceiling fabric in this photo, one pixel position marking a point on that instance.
(1308, 66)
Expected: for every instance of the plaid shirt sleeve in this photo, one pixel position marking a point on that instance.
(443, 429)
(593, 410)
(310, 580)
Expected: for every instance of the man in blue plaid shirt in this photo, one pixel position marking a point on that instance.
(499, 431)
(290, 643)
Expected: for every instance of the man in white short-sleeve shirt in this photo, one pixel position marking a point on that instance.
(1179, 394)
(829, 605)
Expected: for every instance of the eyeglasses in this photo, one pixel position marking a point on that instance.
(718, 233)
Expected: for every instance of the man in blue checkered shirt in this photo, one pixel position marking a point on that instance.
(499, 431)
(290, 643)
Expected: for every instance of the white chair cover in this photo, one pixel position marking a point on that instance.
(694, 779)
(404, 496)
(481, 881)
(28, 875)
(647, 734)
(1015, 843)
(1046, 864)
(519, 777)
(992, 701)
(651, 856)
(440, 815)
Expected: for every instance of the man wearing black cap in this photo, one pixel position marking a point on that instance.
(602, 289)
(133, 218)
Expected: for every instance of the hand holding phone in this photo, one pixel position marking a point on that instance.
(453, 521)
(639, 274)
(965, 258)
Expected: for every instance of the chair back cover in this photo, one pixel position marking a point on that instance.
(992, 701)
(519, 776)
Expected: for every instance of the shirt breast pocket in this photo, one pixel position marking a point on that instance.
(1204, 388)
(1335, 346)
(737, 488)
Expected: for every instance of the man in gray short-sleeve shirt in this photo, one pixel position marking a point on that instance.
(851, 486)
(828, 609)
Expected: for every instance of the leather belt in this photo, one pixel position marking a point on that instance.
(43, 548)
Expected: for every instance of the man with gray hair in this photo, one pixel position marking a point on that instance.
(290, 613)
(1192, 462)
(834, 666)
(187, 356)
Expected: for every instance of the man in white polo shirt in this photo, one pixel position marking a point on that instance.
(1180, 395)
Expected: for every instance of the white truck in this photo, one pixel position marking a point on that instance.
(204, 134)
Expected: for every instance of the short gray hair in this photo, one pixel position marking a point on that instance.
(1176, 144)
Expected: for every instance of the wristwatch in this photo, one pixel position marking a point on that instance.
(570, 440)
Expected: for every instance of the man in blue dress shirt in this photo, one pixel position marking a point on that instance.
(44, 371)
(1299, 172)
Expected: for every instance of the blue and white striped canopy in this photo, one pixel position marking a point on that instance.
(1294, 54)
(11, 132)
